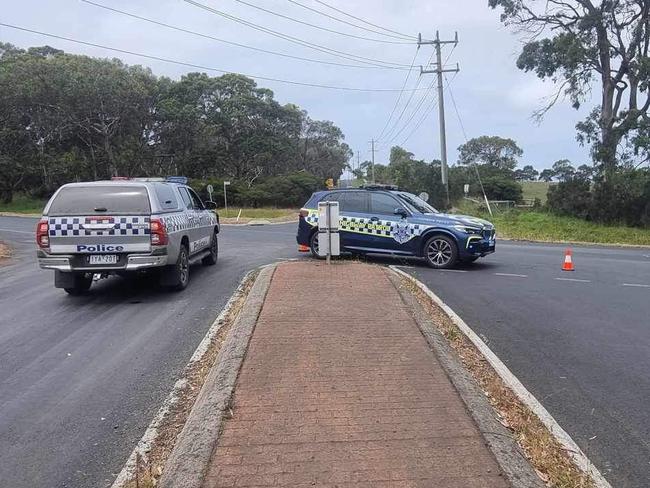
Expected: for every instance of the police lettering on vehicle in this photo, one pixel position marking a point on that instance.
(99, 248)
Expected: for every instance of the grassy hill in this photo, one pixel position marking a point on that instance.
(535, 189)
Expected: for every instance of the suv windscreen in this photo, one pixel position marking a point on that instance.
(103, 200)
(416, 203)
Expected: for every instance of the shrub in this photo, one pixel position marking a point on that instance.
(571, 197)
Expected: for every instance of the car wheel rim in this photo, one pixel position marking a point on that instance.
(439, 252)
(184, 265)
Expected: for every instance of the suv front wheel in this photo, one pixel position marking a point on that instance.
(440, 252)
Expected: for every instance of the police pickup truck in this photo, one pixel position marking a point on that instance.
(126, 226)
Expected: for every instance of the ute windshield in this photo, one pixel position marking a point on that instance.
(416, 203)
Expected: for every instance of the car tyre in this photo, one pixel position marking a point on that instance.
(81, 285)
(211, 259)
(182, 269)
(313, 245)
(440, 252)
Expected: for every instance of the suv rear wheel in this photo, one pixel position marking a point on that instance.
(81, 284)
(440, 252)
(211, 259)
(313, 245)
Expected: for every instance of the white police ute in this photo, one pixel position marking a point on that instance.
(126, 226)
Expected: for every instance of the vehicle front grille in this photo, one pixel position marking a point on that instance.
(488, 234)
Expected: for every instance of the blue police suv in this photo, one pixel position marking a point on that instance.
(385, 220)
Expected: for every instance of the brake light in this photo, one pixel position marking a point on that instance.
(303, 212)
(43, 234)
(158, 232)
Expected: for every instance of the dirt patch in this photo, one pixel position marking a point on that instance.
(550, 460)
(5, 253)
(149, 462)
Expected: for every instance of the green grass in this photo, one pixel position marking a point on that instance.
(257, 213)
(542, 226)
(23, 204)
(535, 189)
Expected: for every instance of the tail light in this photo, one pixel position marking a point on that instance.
(158, 232)
(43, 234)
(303, 213)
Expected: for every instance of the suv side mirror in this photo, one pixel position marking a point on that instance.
(210, 205)
(401, 212)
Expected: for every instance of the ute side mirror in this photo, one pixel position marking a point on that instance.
(401, 212)
(210, 205)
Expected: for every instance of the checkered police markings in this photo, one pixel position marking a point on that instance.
(400, 231)
(176, 222)
(122, 226)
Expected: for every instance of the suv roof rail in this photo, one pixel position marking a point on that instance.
(380, 187)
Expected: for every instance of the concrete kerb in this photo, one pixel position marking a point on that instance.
(188, 462)
(511, 381)
(144, 445)
(516, 468)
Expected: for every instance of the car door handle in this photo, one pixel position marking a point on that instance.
(374, 219)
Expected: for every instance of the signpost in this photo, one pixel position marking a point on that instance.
(329, 243)
(225, 197)
(210, 189)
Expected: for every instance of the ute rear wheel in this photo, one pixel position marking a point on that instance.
(80, 285)
(182, 269)
(440, 252)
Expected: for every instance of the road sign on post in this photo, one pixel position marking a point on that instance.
(210, 190)
(329, 243)
(225, 197)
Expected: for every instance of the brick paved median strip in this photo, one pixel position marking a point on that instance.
(352, 398)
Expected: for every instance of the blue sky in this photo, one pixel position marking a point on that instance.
(492, 95)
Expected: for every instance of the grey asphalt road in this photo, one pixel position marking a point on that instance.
(82, 377)
(582, 347)
(580, 342)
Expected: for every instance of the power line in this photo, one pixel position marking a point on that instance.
(207, 36)
(411, 97)
(399, 96)
(362, 20)
(317, 47)
(453, 101)
(198, 66)
(427, 111)
(413, 114)
(320, 12)
(287, 17)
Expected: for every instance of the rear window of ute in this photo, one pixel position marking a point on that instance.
(101, 200)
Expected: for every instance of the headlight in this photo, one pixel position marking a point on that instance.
(467, 229)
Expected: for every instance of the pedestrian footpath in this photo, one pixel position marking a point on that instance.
(339, 388)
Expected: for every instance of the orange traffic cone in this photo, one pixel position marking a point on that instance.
(568, 262)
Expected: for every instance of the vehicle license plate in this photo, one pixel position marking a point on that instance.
(103, 259)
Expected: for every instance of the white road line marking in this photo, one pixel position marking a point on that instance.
(512, 275)
(17, 231)
(519, 389)
(636, 285)
(574, 280)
